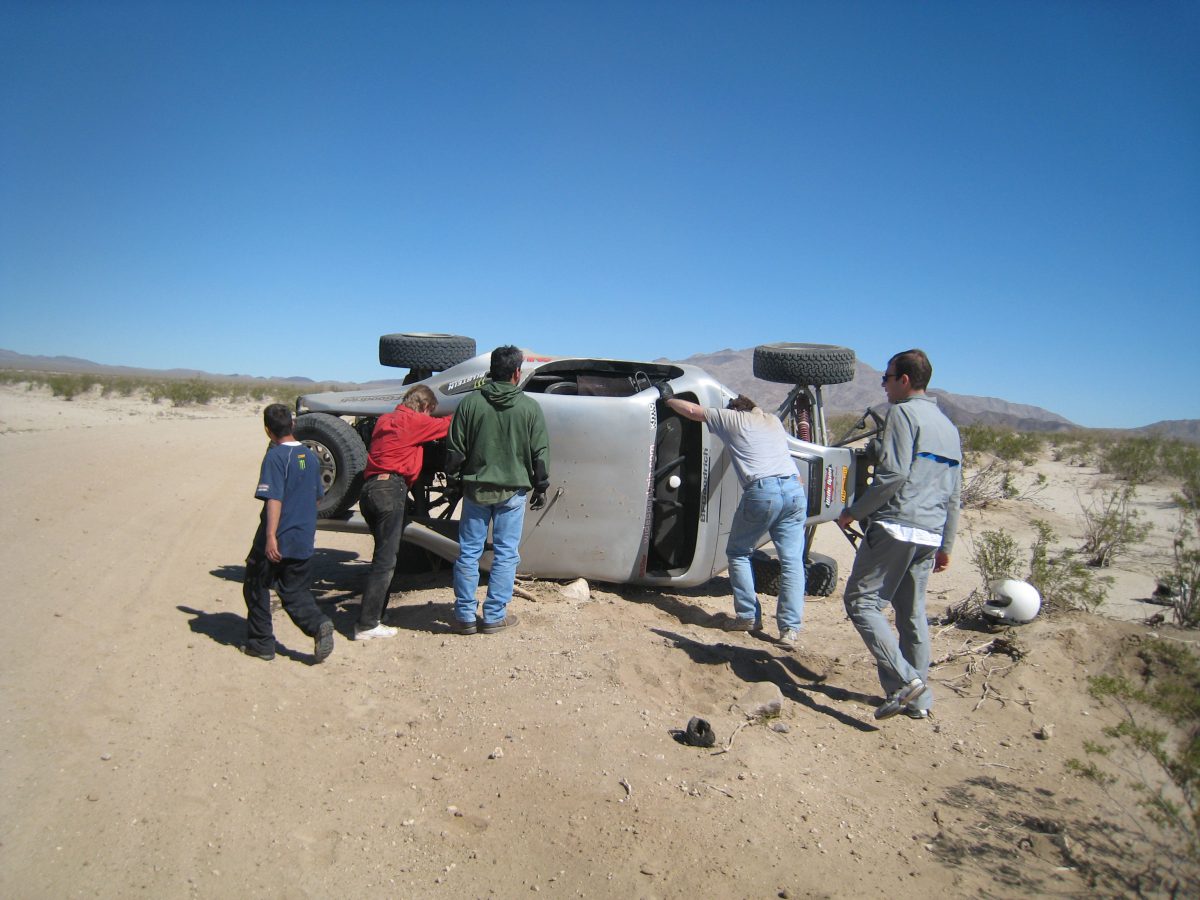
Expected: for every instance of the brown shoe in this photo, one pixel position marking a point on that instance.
(509, 621)
(736, 624)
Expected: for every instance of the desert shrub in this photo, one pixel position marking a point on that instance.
(179, 391)
(1136, 460)
(69, 385)
(1168, 687)
(1111, 526)
(995, 481)
(995, 555)
(188, 392)
(846, 428)
(13, 376)
(1182, 461)
(986, 484)
(1076, 448)
(1004, 444)
(119, 386)
(1182, 583)
(1063, 580)
(1184, 580)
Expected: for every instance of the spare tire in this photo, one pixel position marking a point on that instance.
(814, 364)
(431, 352)
(820, 574)
(342, 456)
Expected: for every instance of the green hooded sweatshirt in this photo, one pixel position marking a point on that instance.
(501, 435)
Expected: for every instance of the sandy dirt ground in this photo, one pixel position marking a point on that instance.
(143, 755)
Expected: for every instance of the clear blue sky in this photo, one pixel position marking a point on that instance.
(265, 188)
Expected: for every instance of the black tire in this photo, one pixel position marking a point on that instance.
(813, 364)
(767, 573)
(820, 574)
(342, 456)
(430, 352)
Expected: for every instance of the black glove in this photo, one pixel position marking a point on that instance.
(541, 478)
(664, 389)
(538, 500)
(454, 461)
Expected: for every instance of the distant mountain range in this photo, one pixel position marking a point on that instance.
(734, 368)
(11, 360)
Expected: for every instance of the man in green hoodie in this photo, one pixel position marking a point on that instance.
(499, 444)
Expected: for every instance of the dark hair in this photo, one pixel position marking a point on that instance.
(419, 398)
(506, 361)
(915, 364)
(741, 403)
(278, 419)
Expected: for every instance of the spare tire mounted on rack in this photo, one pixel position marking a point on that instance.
(815, 364)
(426, 352)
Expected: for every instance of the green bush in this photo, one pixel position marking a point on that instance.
(1010, 446)
(1064, 581)
(1136, 460)
(1168, 686)
(995, 556)
(190, 392)
(1076, 448)
(178, 391)
(69, 386)
(1111, 527)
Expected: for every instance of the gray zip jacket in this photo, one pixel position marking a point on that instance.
(918, 478)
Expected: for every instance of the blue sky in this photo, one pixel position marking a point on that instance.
(265, 188)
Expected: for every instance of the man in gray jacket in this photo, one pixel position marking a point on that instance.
(909, 516)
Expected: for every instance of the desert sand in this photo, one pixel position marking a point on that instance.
(143, 755)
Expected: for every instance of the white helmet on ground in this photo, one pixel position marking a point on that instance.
(1012, 602)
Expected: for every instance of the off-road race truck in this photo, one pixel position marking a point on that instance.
(638, 494)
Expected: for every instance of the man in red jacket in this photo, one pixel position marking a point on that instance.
(393, 465)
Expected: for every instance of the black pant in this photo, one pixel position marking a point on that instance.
(292, 578)
(382, 505)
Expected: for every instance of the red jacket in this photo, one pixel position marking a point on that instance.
(397, 439)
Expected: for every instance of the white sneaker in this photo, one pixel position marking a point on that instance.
(379, 631)
(788, 638)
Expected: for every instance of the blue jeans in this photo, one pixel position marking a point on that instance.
(507, 519)
(775, 505)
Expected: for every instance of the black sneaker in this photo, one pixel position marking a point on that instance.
(509, 621)
(323, 643)
(268, 655)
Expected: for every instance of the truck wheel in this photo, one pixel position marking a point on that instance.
(342, 456)
(820, 574)
(767, 572)
(813, 364)
(429, 352)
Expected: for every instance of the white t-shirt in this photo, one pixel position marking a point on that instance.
(756, 440)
